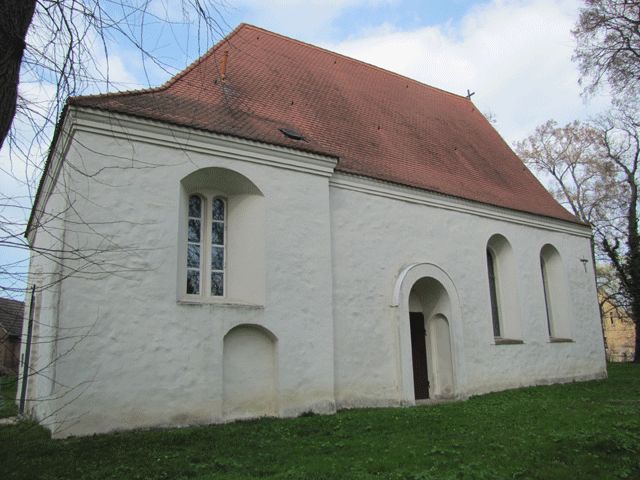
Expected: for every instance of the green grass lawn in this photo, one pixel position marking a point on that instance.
(8, 387)
(576, 431)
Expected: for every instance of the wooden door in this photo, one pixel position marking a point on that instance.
(419, 355)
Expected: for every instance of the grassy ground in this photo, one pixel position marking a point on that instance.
(576, 431)
(8, 387)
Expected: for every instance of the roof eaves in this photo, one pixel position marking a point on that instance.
(63, 115)
(215, 132)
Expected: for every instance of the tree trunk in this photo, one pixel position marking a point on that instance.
(15, 18)
(633, 261)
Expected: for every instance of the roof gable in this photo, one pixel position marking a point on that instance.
(379, 124)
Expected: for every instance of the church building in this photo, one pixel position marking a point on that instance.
(281, 229)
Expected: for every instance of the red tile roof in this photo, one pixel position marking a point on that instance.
(379, 124)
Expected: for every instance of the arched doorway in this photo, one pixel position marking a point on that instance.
(431, 352)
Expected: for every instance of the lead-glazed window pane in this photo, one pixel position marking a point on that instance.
(217, 284)
(193, 282)
(217, 233)
(195, 206)
(218, 209)
(193, 256)
(194, 230)
(217, 258)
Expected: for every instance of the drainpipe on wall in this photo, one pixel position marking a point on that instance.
(27, 352)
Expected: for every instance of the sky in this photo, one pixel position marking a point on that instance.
(514, 54)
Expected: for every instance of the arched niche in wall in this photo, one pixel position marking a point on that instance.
(249, 373)
(502, 289)
(222, 241)
(554, 288)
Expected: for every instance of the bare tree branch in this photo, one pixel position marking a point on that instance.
(593, 170)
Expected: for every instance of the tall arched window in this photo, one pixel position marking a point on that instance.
(503, 294)
(220, 239)
(206, 267)
(547, 294)
(555, 297)
(493, 293)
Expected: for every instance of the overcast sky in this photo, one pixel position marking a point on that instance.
(514, 54)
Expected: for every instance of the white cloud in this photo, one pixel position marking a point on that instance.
(515, 54)
(302, 19)
(119, 72)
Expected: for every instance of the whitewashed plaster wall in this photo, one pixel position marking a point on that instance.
(375, 236)
(332, 258)
(46, 274)
(152, 359)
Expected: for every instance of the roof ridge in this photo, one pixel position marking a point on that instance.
(226, 38)
(351, 59)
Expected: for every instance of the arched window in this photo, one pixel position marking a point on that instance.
(503, 294)
(547, 294)
(220, 239)
(206, 267)
(554, 289)
(493, 293)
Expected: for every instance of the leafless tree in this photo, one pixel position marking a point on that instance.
(51, 50)
(608, 45)
(593, 170)
(54, 49)
(66, 44)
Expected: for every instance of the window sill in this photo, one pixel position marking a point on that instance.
(560, 340)
(223, 302)
(507, 341)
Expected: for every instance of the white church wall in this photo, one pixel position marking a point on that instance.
(329, 268)
(45, 273)
(151, 358)
(376, 235)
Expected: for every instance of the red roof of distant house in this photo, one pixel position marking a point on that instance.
(379, 124)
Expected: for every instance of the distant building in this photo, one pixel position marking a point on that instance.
(620, 334)
(11, 312)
